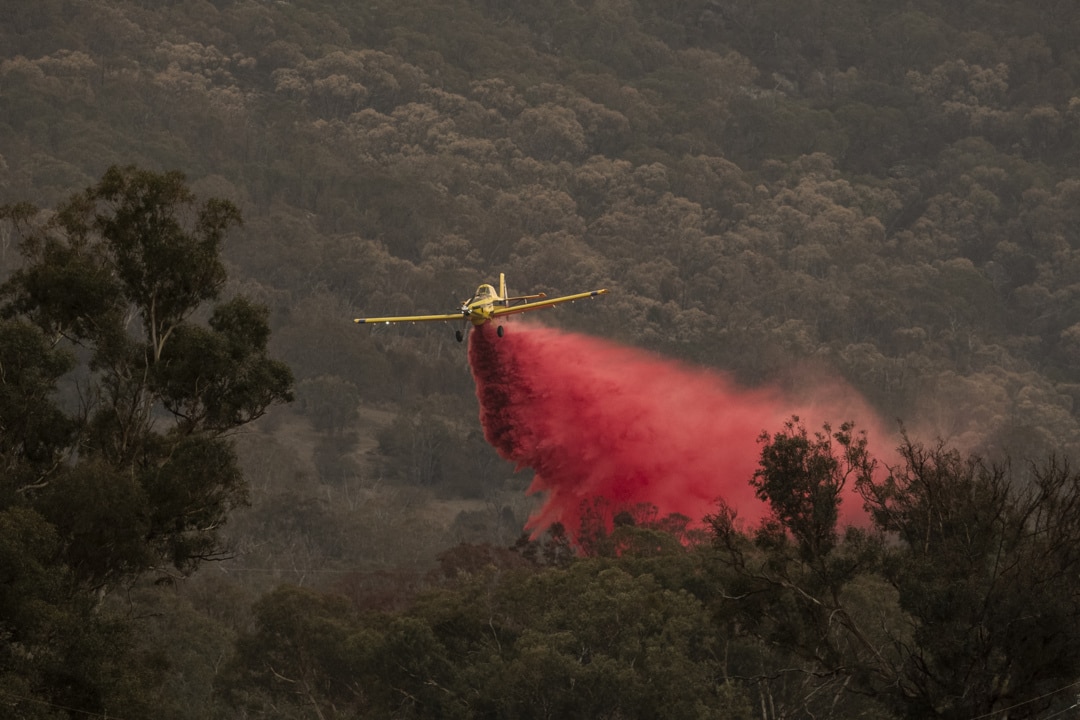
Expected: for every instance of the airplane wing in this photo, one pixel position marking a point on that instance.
(548, 302)
(512, 301)
(408, 318)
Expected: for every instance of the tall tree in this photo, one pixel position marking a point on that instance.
(985, 565)
(113, 278)
(805, 589)
(115, 414)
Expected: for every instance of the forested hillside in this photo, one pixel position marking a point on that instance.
(887, 192)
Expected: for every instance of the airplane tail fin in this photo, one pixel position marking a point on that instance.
(502, 287)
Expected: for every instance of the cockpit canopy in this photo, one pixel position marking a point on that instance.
(485, 292)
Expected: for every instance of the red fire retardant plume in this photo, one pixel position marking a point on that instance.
(597, 420)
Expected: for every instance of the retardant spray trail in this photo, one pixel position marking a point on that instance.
(597, 420)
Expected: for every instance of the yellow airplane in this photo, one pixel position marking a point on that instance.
(486, 305)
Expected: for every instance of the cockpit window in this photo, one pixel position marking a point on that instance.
(484, 291)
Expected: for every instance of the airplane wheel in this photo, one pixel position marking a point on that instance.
(499, 331)
(459, 335)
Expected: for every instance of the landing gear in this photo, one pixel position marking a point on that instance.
(499, 331)
(459, 335)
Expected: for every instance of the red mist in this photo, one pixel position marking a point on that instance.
(598, 420)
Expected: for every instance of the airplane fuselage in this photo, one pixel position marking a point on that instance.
(481, 306)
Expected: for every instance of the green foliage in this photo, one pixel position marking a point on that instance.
(953, 604)
(985, 570)
(421, 448)
(139, 485)
(115, 409)
(220, 378)
(609, 530)
(956, 601)
(330, 402)
(590, 640)
(802, 478)
(300, 652)
(59, 651)
(34, 429)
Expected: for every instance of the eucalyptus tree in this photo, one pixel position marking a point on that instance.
(134, 466)
(119, 390)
